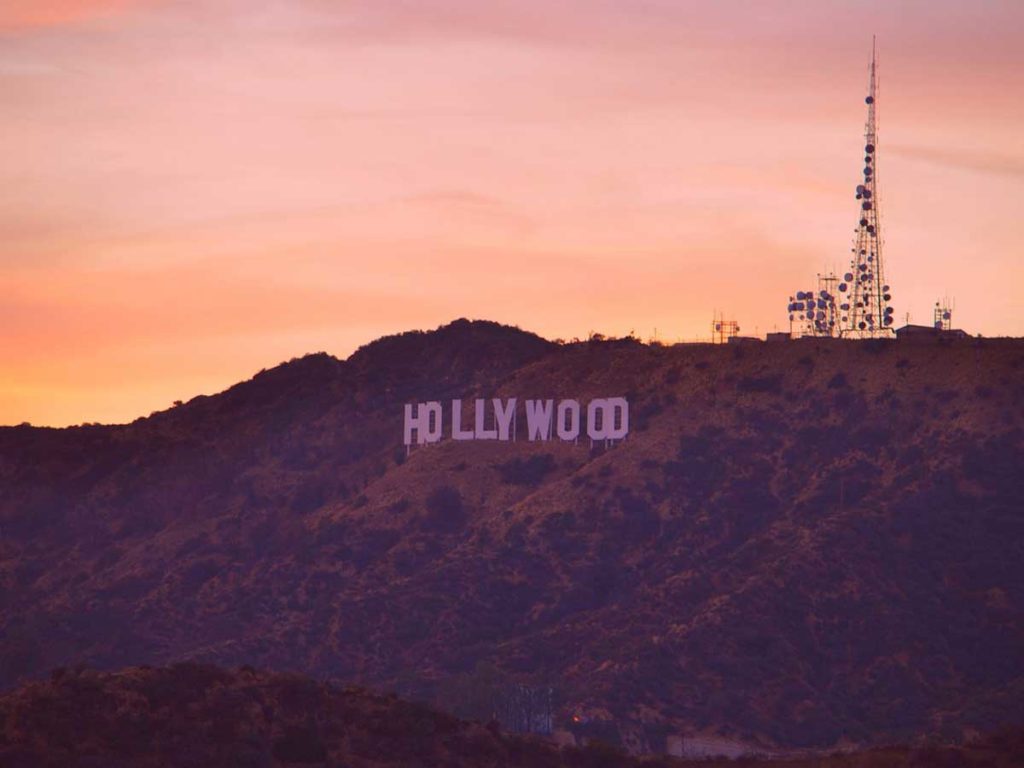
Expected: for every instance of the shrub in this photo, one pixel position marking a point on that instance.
(445, 512)
(838, 381)
(299, 745)
(197, 574)
(398, 507)
(770, 384)
(596, 754)
(530, 471)
(308, 498)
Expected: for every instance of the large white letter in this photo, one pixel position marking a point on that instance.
(503, 415)
(618, 411)
(433, 422)
(538, 418)
(426, 422)
(572, 431)
(458, 433)
(411, 423)
(481, 433)
(614, 413)
(593, 408)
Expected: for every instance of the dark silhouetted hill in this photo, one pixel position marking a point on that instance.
(800, 544)
(192, 714)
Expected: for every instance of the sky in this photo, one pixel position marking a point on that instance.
(193, 190)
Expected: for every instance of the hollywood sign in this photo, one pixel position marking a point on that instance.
(605, 418)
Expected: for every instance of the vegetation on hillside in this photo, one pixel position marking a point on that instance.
(799, 544)
(194, 714)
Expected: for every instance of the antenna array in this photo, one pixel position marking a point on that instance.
(858, 304)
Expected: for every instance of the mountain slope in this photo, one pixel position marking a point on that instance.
(192, 714)
(798, 543)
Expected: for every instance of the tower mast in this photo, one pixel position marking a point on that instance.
(865, 309)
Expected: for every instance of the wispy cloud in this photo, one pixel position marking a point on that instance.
(980, 161)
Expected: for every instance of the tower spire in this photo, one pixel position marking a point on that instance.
(860, 309)
(865, 309)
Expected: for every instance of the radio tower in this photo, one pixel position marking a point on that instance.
(865, 309)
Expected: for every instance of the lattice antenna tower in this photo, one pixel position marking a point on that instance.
(865, 309)
(722, 330)
(815, 313)
(942, 317)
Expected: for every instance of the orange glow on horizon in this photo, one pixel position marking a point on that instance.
(56, 13)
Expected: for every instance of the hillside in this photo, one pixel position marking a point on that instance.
(799, 544)
(191, 714)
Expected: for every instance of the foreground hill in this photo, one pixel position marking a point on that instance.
(799, 544)
(192, 714)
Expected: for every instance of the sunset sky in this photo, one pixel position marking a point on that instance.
(192, 190)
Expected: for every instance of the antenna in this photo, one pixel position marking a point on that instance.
(816, 313)
(869, 313)
(855, 305)
(942, 317)
(722, 330)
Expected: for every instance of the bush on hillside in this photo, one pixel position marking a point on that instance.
(529, 471)
(444, 511)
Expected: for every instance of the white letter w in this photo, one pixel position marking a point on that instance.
(538, 418)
